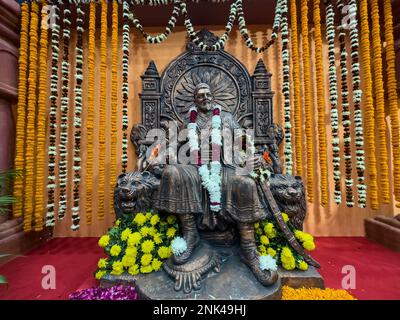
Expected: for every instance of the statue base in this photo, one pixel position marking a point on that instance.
(234, 281)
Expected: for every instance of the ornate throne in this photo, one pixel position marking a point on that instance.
(166, 99)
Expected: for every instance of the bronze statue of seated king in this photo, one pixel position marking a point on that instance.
(212, 101)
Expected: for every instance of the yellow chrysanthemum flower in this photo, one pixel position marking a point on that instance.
(144, 231)
(285, 217)
(262, 249)
(152, 231)
(264, 240)
(154, 220)
(147, 246)
(164, 252)
(256, 225)
(299, 235)
(115, 250)
(128, 260)
(139, 219)
(146, 269)
(102, 263)
(118, 222)
(100, 274)
(133, 270)
(134, 239)
(156, 264)
(157, 238)
(171, 232)
(270, 230)
(258, 231)
(104, 241)
(131, 251)
(125, 234)
(271, 252)
(287, 259)
(149, 215)
(309, 245)
(303, 265)
(146, 259)
(171, 219)
(118, 268)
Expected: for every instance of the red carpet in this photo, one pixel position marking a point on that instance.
(377, 268)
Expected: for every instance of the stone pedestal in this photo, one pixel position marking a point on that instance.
(235, 281)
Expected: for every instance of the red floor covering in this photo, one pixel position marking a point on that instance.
(377, 268)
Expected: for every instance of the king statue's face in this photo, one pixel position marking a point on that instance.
(203, 100)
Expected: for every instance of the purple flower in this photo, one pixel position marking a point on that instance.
(119, 292)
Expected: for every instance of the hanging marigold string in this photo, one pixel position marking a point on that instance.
(31, 118)
(296, 87)
(323, 161)
(357, 96)
(41, 124)
(103, 106)
(63, 165)
(90, 113)
(52, 149)
(380, 102)
(77, 116)
(368, 105)
(346, 114)
(21, 113)
(125, 86)
(307, 100)
(392, 97)
(286, 92)
(114, 102)
(333, 94)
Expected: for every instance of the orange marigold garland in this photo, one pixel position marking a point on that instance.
(125, 86)
(90, 113)
(307, 100)
(346, 114)
(392, 96)
(103, 106)
(52, 151)
(380, 102)
(296, 87)
(368, 106)
(41, 124)
(21, 113)
(31, 118)
(323, 161)
(114, 102)
(77, 116)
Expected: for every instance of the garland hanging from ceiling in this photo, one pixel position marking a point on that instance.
(392, 97)
(383, 162)
(368, 106)
(41, 125)
(90, 112)
(333, 94)
(19, 163)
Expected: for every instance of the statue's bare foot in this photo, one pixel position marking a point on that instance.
(265, 277)
(192, 242)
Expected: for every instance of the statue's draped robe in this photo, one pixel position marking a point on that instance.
(181, 191)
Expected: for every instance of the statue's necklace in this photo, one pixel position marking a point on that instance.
(211, 178)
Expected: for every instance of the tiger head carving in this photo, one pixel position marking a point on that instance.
(289, 194)
(134, 192)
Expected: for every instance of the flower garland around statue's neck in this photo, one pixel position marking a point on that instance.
(210, 178)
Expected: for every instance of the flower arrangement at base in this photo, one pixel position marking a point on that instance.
(273, 245)
(138, 245)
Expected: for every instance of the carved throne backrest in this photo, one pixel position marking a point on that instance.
(169, 96)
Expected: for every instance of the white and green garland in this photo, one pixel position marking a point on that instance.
(333, 93)
(346, 114)
(51, 184)
(286, 90)
(125, 86)
(357, 95)
(63, 166)
(77, 116)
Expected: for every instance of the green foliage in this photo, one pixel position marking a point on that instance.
(6, 199)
